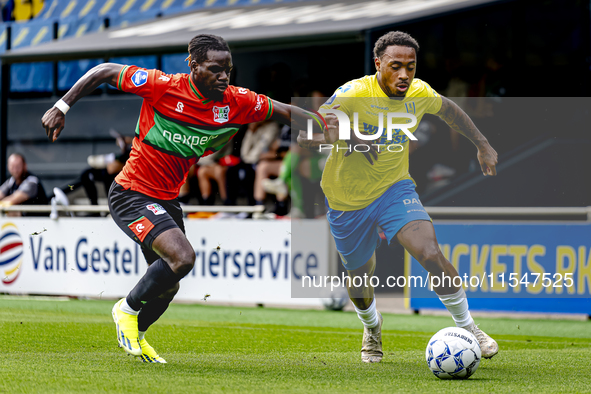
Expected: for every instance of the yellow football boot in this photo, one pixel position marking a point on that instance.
(149, 355)
(127, 333)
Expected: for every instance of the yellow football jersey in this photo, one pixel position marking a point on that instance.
(351, 183)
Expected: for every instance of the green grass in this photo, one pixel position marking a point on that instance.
(70, 346)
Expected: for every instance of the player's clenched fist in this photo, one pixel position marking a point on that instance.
(53, 122)
(488, 159)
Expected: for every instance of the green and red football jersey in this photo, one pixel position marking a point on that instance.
(178, 125)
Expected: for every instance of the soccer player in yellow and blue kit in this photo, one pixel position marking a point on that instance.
(367, 183)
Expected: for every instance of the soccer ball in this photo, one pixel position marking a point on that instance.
(336, 300)
(453, 353)
(334, 303)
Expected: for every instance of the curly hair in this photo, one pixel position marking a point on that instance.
(202, 43)
(394, 38)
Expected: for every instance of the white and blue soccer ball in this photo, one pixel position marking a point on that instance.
(336, 300)
(453, 353)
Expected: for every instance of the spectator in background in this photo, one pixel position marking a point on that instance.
(103, 168)
(299, 172)
(23, 187)
(190, 187)
(211, 170)
(299, 177)
(258, 139)
(270, 164)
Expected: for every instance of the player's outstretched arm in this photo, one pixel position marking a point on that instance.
(313, 144)
(54, 119)
(326, 129)
(457, 119)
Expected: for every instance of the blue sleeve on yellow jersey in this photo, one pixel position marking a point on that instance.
(341, 91)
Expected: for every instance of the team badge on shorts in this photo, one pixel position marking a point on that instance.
(139, 77)
(156, 209)
(221, 114)
(141, 227)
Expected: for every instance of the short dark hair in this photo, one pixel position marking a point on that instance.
(202, 43)
(394, 38)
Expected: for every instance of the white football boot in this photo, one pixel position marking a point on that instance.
(371, 347)
(488, 346)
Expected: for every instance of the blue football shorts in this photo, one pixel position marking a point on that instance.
(356, 232)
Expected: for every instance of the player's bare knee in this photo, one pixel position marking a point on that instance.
(188, 260)
(431, 259)
(428, 254)
(183, 261)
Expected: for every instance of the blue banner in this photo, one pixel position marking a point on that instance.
(70, 71)
(537, 267)
(175, 64)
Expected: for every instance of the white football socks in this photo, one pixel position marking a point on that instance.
(368, 317)
(457, 305)
(141, 335)
(127, 309)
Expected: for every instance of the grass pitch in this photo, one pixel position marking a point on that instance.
(70, 346)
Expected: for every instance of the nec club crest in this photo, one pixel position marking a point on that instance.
(156, 209)
(139, 78)
(221, 114)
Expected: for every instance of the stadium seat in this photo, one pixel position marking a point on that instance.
(73, 26)
(76, 18)
(31, 77)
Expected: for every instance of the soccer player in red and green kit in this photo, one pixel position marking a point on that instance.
(183, 117)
